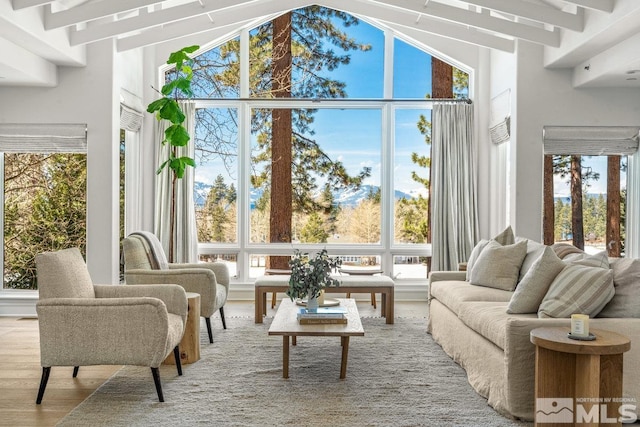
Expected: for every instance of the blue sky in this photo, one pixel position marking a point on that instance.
(355, 136)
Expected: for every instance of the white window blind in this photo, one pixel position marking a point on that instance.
(591, 140)
(43, 137)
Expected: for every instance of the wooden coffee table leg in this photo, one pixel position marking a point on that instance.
(345, 354)
(285, 356)
(259, 296)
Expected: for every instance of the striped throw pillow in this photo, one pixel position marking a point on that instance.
(578, 289)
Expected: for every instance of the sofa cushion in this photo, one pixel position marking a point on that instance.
(499, 266)
(534, 286)
(453, 293)
(578, 289)
(626, 280)
(488, 318)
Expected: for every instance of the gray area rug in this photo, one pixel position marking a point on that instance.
(396, 376)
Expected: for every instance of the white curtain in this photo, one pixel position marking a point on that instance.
(454, 218)
(186, 236)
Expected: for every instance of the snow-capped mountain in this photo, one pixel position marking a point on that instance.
(346, 198)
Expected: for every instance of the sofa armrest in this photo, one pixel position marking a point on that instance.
(103, 331)
(438, 276)
(219, 269)
(172, 295)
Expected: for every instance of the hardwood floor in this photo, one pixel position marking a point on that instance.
(20, 368)
(20, 372)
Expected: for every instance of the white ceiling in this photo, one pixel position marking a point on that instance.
(598, 39)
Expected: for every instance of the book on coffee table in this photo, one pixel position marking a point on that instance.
(322, 315)
(323, 311)
(323, 321)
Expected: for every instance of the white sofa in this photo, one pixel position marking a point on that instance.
(472, 325)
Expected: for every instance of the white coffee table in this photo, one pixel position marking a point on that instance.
(285, 323)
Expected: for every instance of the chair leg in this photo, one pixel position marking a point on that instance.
(75, 371)
(176, 356)
(224, 324)
(373, 300)
(273, 300)
(208, 322)
(156, 379)
(43, 383)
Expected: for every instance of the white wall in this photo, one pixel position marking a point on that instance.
(84, 95)
(547, 97)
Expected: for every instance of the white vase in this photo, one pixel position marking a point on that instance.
(312, 304)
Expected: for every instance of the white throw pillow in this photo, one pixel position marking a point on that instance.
(534, 286)
(475, 253)
(534, 252)
(626, 280)
(498, 266)
(578, 289)
(506, 237)
(601, 259)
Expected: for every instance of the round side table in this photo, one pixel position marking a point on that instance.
(572, 375)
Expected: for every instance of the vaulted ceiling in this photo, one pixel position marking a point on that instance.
(598, 39)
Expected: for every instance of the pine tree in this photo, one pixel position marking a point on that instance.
(314, 230)
(287, 58)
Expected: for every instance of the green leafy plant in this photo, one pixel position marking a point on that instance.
(176, 135)
(309, 275)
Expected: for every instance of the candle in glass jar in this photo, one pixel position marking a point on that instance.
(580, 325)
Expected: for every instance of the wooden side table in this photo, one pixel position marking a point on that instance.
(190, 343)
(573, 375)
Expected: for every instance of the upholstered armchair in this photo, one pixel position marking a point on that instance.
(145, 262)
(84, 324)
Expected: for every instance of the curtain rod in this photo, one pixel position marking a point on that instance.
(333, 100)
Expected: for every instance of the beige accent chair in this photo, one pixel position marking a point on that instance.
(145, 262)
(83, 324)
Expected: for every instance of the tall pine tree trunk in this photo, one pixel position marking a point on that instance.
(548, 216)
(613, 206)
(576, 202)
(281, 193)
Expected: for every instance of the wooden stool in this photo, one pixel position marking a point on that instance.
(190, 343)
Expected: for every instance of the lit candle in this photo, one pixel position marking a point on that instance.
(580, 325)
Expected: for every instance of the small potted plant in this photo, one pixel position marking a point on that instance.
(310, 275)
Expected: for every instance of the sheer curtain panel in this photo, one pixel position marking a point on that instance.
(454, 218)
(186, 237)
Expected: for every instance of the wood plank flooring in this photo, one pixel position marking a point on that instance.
(20, 368)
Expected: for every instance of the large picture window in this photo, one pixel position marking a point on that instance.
(310, 134)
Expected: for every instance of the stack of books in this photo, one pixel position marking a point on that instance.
(323, 315)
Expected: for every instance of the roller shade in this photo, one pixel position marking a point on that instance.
(43, 137)
(591, 140)
(130, 119)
